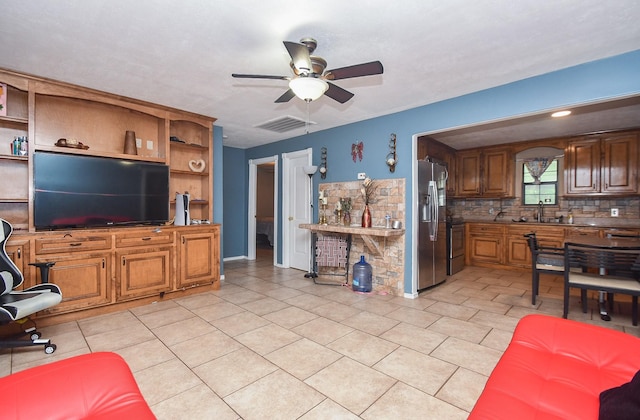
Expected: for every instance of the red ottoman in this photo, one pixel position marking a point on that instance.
(91, 386)
(556, 369)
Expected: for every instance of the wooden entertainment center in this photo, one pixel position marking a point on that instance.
(103, 269)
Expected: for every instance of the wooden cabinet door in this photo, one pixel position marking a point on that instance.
(468, 176)
(497, 173)
(83, 279)
(18, 252)
(518, 252)
(198, 262)
(485, 243)
(620, 165)
(582, 161)
(143, 272)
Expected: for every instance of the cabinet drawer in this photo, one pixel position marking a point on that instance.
(486, 229)
(71, 243)
(139, 238)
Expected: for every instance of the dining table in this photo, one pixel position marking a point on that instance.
(610, 242)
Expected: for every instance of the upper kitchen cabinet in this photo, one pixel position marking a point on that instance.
(485, 173)
(433, 148)
(602, 165)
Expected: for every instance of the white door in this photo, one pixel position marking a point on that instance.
(297, 209)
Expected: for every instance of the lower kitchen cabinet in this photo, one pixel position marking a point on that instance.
(485, 244)
(518, 252)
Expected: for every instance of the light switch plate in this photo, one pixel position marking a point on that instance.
(149, 144)
(362, 175)
(614, 212)
(138, 143)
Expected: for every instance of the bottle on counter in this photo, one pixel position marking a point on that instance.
(570, 218)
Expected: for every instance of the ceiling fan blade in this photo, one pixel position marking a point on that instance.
(259, 76)
(338, 94)
(358, 70)
(286, 97)
(299, 55)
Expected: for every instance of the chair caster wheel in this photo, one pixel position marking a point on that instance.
(35, 335)
(50, 348)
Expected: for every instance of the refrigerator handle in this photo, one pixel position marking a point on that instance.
(433, 209)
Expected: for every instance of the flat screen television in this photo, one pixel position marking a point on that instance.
(89, 191)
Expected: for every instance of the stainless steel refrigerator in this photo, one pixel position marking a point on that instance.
(432, 236)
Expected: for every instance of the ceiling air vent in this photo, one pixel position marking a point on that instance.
(284, 124)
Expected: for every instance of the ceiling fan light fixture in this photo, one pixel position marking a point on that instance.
(308, 88)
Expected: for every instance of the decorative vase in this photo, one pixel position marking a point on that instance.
(130, 143)
(346, 219)
(366, 217)
(338, 216)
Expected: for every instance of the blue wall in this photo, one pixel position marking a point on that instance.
(235, 190)
(591, 82)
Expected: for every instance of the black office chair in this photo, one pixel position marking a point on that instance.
(17, 305)
(546, 260)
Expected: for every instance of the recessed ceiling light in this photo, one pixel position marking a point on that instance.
(560, 114)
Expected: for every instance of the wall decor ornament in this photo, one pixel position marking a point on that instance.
(197, 165)
(356, 151)
(392, 158)
(323, 163)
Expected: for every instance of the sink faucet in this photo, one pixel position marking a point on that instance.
(540, 212)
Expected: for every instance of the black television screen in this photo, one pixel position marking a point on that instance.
(89, 191)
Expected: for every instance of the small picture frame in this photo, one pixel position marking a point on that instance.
(3, 99)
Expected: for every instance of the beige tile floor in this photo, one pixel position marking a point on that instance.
(272, 345)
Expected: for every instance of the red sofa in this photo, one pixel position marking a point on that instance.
(91, 386)
(556, 369)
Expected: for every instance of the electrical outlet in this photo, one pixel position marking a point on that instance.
(149, 144)
(491, 210)
(362, 175)
(614, 212)
(138, 143)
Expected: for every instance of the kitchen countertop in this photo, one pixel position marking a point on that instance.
(596, 223)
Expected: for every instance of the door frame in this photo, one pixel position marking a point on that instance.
(287, 197)
(252, 206)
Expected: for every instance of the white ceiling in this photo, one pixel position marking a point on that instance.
(182, 53)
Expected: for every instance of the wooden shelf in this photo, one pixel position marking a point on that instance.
(194, 146)
(14, 200)
(367, 234)
(18, 120)
(15, 157)
(89, 152)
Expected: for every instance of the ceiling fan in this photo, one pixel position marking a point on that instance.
(310, 80)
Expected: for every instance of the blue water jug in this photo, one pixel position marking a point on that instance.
(362, 276)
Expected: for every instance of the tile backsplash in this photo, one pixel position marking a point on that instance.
(591, 210)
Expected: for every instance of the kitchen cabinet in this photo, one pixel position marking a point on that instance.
(518, 253)
(603, 165)
(433, 148)
(485, 244)
(486, 172)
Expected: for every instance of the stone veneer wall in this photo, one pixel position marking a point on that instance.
(388, 272)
